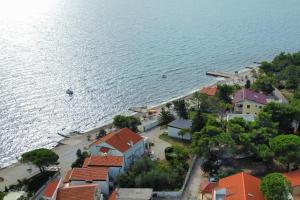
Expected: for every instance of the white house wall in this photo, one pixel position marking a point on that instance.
(134, 153)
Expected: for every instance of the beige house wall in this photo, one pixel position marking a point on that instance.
(249, 107)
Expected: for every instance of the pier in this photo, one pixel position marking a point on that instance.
(220, 74)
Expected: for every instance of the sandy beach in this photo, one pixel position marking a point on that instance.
(67, 147)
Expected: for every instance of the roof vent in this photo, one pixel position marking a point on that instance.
(130, 143)
(250, 195)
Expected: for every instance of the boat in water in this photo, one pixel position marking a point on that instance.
(69, 92)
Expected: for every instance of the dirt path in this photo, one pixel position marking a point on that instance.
(192, 188)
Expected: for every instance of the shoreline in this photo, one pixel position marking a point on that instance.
(108, 124)
(66, 148)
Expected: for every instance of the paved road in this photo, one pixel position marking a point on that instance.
(192, 187)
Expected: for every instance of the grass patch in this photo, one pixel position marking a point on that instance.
(173, 141)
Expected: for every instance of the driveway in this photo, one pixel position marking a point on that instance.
(159, 145)
(191, 191)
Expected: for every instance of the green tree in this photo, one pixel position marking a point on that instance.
(166, 116)
(180, 107)
(283, 114)
(131, 122)
(286, 149)
(197, 99)
(275, 187)
(198, 121)
(101, 134)
(2, 194)
(264, 119)
(124, 180)
(183, 132)
(81, 156)
(297, 92)
(41, 158)
(168, 105)
(224, 93)
(248, 84)
(264, 84)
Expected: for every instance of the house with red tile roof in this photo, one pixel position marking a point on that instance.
(248, 102)
(115, 164)
(88, 175)
(241, 186)
(50, 191)
(123, 142)
(294, 178)
(79, 192)
(210, 90)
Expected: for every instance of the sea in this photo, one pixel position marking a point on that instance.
(113, 53)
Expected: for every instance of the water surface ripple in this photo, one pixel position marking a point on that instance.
(112, 54)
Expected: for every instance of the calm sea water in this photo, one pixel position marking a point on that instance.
(112, 54)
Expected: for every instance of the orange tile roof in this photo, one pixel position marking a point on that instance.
(293, 177)
(78, 192)
(103, 161)
(207, 187)
(113, 195)
(51, 188)
(87, 174)
(210, 91)
(120, 139)
(241, 186)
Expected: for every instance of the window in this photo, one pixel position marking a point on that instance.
(248, 106)
(260, 107)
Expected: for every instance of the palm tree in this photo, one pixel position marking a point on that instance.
(183, 132)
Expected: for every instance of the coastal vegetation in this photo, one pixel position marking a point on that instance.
(41, 158)
(180, 106)
(131, 122)
(284, 69)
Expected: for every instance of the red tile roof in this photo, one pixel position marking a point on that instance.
(210, 91)
(51, 188)
(120, 139)
(207, 187)
(246, 94)
(87, 174)
(241, 186)
(103, 161)
(78, 192)
(113, 195)
(293, 177)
